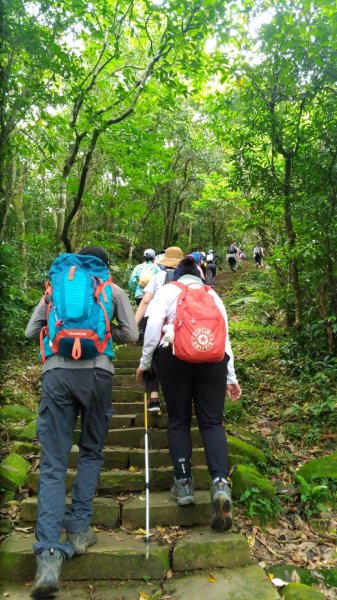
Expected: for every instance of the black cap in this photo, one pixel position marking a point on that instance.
(95, 251)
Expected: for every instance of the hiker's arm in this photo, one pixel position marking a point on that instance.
(126, 330)
(154, 327)
(231, 376)
(141, 310)
(37, 321)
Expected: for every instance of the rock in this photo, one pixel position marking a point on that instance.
(245, 477)
(299, 591)
(247, 436)
(320, 468)
(205, 549)
(27, 433)
(13, 471)
(249, 453)
(5, 526)
(14, 413)
(23, 448)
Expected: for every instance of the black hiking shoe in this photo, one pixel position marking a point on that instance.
(183, 491)
(153, 405)
(81, 541)
(221, 500)
(46, 583)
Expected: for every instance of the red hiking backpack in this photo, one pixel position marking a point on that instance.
(199, 326)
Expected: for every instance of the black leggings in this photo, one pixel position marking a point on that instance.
(204, 384)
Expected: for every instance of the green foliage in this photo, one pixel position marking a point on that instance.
(16, 301)
(315, 498)
(258, 505)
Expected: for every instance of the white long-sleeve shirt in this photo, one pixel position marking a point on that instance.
(162, 309)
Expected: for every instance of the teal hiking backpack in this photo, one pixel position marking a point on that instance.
(79, 297)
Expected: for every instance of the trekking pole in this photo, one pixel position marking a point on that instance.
(147, 474)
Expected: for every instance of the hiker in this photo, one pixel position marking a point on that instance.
(169, 262)
(211, 260)
(159, 256)
(231, 259)
(184, 381)
(258, 256)
(76, 380)
(233, 248)
(139, 278)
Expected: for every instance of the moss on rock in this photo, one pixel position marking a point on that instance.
(13, 471)
(299, 591)
(14, 413)
(245, 477)
(249, 453)
(319, 468)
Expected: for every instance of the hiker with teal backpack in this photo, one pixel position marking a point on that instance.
(140, 277)
(196, 366)
(73, 321)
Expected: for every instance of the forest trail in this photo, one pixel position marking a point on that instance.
(186, 560)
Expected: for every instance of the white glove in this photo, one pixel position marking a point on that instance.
(168, 334)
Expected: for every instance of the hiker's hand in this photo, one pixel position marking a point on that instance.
(140, 375)
(233, 391)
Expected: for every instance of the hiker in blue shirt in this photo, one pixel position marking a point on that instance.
(140, 277)
(74, 384)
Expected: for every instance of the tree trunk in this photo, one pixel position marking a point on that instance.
(18, 201)
(60, 213)
(325, 316)
(291, 235)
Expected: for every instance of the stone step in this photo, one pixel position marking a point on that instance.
(128, 352)
(127, 395)
(125, 370)
(124, 457)
(117, 481)
(134, 437)
(120, 555)
(137, 408)
(129, 512)
(126, 381)
(241, 583)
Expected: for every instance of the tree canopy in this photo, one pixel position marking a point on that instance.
(137, 123)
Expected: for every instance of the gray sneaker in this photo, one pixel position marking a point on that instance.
(81, 541)
(49, 564)
(183, 491)
(221, 500)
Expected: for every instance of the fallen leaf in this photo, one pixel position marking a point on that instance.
(143, 596)
(169, 574)
(277, 582)
(140, 531)
(251, 540)
(211, 578)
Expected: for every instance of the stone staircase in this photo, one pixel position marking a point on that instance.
(186, 558)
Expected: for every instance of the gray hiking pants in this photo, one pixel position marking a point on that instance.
(66, 394)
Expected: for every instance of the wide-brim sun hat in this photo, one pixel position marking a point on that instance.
(172, 257)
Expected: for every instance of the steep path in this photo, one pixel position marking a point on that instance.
(187, 559)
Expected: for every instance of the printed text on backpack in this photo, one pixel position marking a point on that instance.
(79, 308)
(199, 326)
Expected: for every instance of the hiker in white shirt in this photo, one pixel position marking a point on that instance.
(183, 383)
